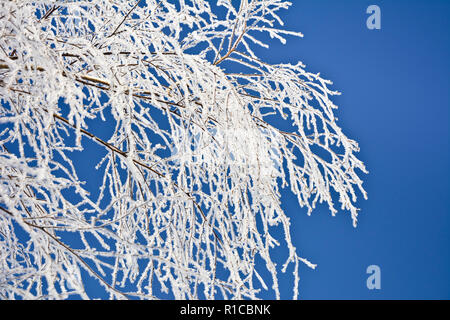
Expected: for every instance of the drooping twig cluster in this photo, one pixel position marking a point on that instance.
(189, 194)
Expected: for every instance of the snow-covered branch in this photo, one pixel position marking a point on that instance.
(189, 191)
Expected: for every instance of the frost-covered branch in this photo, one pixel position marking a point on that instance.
(188, 198)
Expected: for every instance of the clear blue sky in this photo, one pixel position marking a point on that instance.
(395, 102)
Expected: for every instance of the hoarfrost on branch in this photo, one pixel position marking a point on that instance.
(192, 165)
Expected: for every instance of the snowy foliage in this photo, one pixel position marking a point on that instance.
(188, 202)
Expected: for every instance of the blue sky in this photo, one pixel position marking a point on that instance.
(395, 103)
